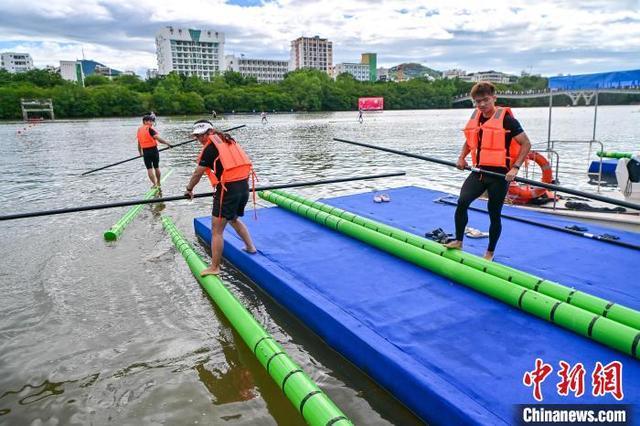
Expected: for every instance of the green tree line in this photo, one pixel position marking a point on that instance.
(302, 90)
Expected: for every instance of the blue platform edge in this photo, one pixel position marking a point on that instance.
(450, 354)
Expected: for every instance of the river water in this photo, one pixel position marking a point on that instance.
(94, 332)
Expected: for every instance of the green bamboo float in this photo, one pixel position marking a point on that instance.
(586, 301)
(599, 328)
(117, 229)
(613, 154)
(312, 403)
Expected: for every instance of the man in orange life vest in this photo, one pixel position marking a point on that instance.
(497, 143)
(148, 139)
(228, 169)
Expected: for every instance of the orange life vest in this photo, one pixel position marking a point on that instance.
(145, 139)
(236, 164)
(493, 150)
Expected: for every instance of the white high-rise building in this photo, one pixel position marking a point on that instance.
(16, 62)
(190, 52)
(312, 52)
(360, 72)
(264, 70)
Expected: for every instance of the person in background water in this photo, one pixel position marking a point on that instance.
(497, 143)
(360, 117)
(263, 116)
(148, 139)
(228, 168)
(214, 115)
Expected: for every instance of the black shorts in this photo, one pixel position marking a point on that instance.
(151, 157)
(233, 202)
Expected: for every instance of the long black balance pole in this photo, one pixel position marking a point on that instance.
(162, 149)
(443, 200)
(184, 197)
(549, 186)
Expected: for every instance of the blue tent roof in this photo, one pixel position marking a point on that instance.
(604, 80)
(89, 67)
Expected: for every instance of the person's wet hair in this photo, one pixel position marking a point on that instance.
(483, 88)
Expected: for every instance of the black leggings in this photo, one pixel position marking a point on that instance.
(151, 157)
(472, 188)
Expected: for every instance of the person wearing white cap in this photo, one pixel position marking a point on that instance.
(228, 168)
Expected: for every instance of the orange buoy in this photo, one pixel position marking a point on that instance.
(521, 193)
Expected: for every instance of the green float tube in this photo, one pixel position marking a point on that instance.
(586, 301)
(596, 327)
(613, 154)
(117, 229)
(314, 405)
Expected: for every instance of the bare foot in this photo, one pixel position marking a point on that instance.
(488, 256)
(250, 250)
(455, 244)
(210, 271)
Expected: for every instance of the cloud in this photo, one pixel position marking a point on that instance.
(548, 37)
(51, 53)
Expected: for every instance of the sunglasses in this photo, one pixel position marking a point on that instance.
(484, 100)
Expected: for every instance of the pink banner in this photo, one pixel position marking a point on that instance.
(371, 104)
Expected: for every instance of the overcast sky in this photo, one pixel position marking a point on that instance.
(546, 37)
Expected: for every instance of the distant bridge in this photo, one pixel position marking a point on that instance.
(575, 95)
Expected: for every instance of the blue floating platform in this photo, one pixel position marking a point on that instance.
(450, 354)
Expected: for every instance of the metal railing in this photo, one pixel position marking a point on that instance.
(590, 142)
(551, 152)
(554, 165)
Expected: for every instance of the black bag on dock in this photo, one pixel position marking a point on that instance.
(633, 167)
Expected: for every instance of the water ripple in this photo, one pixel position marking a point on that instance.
(95, 332)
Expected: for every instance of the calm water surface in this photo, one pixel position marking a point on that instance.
(94, 332)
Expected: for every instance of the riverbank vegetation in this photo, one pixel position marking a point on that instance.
(303, 90)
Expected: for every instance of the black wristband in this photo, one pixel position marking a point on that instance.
(515, 166)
